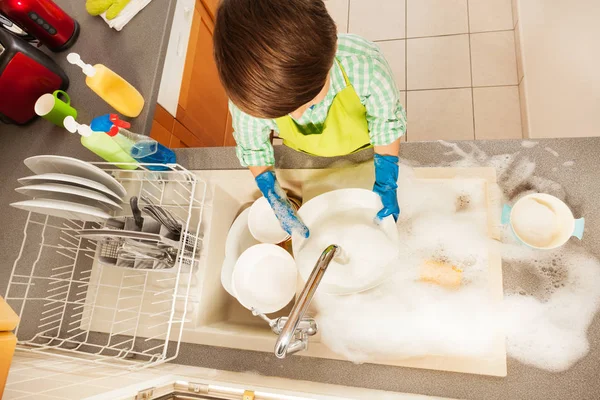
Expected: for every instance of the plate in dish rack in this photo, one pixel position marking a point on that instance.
(72, 193)
(70, 180)
(63, 209)
(73, 166)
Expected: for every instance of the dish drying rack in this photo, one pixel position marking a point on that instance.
(74, 306)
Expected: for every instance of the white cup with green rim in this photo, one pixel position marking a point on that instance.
(542, 221)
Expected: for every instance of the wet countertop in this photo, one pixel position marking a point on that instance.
(580, 183)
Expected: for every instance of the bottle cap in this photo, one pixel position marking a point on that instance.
(75, 59)
(72, 126)
(102, 123)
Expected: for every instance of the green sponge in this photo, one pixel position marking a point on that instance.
(112, 7)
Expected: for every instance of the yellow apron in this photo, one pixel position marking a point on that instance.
(345, 129)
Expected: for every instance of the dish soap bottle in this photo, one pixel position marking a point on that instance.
(143, 148)
(113, 89)
(101, 144)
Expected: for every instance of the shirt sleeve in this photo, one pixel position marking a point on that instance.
(252, 136)
(385, 115)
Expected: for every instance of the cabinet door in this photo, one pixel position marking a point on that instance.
(202, 102)
(211, 6)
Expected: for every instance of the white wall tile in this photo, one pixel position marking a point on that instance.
(438, 62)
(490, 15)
(436, 17)
(338, 9)
(493, 58)
(497, 113)
(440, 114)
(378, 19)
(394, 51)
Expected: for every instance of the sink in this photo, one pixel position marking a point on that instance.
(219, 320)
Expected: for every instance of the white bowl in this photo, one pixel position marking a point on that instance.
(557, 227)
(239, 239)
(263, 223)
(346, 217)
(264, 278)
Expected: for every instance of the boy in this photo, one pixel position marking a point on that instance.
(285, 69)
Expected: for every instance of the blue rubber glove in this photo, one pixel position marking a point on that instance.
(386, 185)
(289, 220)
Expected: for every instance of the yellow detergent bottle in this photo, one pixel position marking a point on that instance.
(113, 89)
(101, 144)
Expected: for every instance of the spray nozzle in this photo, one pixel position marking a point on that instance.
(114, 118)
(75, 59)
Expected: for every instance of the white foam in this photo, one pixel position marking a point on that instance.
(528, 144)
(551, 151)
(551, 296)
(534, 222)
(568, 163)
(405, 317)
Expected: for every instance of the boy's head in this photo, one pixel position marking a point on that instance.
(273, 56)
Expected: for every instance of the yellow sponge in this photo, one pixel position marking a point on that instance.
(441, 273)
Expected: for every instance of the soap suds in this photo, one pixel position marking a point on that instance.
(404, 316)
(528, 144)
(551, 296)
(551, 151)
(534, 222)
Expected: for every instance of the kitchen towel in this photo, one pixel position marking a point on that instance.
(130, 11)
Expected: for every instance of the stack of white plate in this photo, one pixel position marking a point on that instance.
(69, 188)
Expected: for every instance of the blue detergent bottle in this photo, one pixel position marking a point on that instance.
(142, 148)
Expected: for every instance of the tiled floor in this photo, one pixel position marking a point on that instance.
(454, 60)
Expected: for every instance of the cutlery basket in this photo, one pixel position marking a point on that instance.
(73, 305)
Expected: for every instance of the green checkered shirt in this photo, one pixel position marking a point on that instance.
(372, 80)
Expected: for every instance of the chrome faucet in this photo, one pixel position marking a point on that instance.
(294, 329)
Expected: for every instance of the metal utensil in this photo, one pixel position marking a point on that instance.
(137, 213)
(147, 256)
(163, 216)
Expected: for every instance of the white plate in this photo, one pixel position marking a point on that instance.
(265, 278)
(63, 209)
(75, 194)
(71, 180)
(369, 263)
(239, 239)
(72, 166)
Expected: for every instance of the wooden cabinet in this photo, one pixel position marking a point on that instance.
(202, 118)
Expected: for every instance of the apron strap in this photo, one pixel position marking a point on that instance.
(343, 72)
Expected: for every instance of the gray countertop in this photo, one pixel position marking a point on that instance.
(580, 182)
(137, 53)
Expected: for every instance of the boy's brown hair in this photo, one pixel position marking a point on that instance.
(273, 56)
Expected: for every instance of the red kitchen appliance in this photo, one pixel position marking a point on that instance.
(26, 73)
(42, 19)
